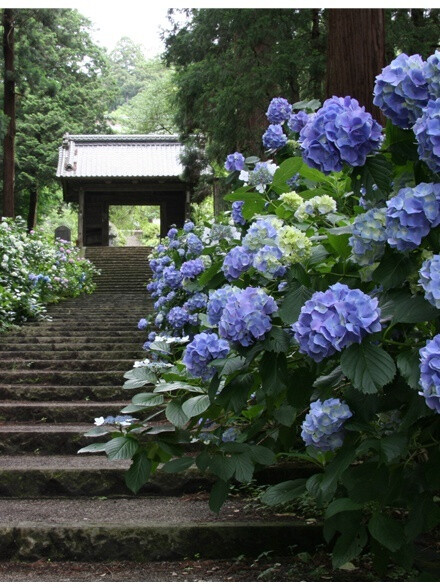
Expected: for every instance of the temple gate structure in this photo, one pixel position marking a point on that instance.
(97, 171)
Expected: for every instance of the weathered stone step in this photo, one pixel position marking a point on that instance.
(66, 365)
(105, 322)
(51, 438)
(78, 378)
(58, 412)
(34, 353)
(143, 529)
(98, 341)
(65, 392)
(69, 346)
(46, 329)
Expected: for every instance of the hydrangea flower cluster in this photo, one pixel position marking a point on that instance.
(237, 215)
(262, 232)
(237, 260)
(192, 268)
(196, 302)
(274, 137)
(217, 302)
(430, 280)
(298, 120)
(188, 226)
(260, 176)
(234, 162)
(432, 74)
(198, 354)
(193, 244)
(177, 317)
(291, 199)
(317, 205)
(295, 244)
(401, 90)
(324, 424)
(340, 132)
(267, 262)
(430, 373)
(172, 277)
(246, 316)
(411, 214)
(427, 132)
(368, 236)
(142, 324)
(332, 320)
(279, 111)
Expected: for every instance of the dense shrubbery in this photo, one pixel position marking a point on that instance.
(309, 328)
(34, 271)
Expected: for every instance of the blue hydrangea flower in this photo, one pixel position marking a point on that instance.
(431, 72)
(279, 110)
(260, 176)
(298, 120)
(196, 302)
(234, 162)
(157, 265)
(230, 435)
(188, 226)
(274, 138)
(267, 262)
(172, 233)
(246, 316)
(368, 236)
(427, 132)
(146, 346)
(332, 320)
(217, 302)
(237, 215)
(204, 348)
(323, 427)
(194, 244)
(401, 90)
(430, 280)
(177, 317)
(411, 214)
(172, 277)
(174, 244)
(237, 260)
(282, 286)
(430, 373)
(142, 324)
(161, 301)
(340, 132)
(152, 336)
(192, 268)
(294, 181)
(261, 232)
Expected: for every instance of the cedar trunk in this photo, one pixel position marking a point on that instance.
(32, 214)
(9, 110)
(356, 54)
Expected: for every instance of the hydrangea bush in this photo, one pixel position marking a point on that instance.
(312, 331)
(35, 271)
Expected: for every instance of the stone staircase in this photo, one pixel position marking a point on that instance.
(56, 376)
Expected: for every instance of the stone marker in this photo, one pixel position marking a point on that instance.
(63, 233)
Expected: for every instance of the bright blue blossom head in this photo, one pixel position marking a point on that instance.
(217, 302)
(267, 262)
(246, 316)
(172, 277)
(194, 244)
(177, 317)
(237, 260)
(261, 175)
(237, 215)
(411, 214)
(427, 132)
(401, 90)
(368, 236)
(172, 233)
(431, 72)
(430, 280)
(340, 132)
(142, 324)
(196, 302)
(430, 373)
(261, 232)
(298, 120)
(332, 320)
(192, 268)
(324, 423)
(230, 435)
(279, 111)
(188, 226)
(234, 162)
(203, 349)
(274, 138)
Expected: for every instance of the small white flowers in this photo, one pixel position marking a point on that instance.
(143, 363)
(99, 421)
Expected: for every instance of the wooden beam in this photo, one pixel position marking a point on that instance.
(81, 219)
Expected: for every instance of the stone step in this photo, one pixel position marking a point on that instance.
(104, 322)
(100, 342)
(76, 329)
(65, 392)
(52, 438)
(58, 412)
(66, 365)
(63, 378)
(143, 529)
(33, 353)
(70, 345)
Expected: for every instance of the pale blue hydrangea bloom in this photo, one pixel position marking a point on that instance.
(198, 354)
(230, 435)
(430, 280)
(274, 137)
(279, 111)
(298, 120)
(368, 236)
(430, 373)
(192, 268)
(261, 232)
(324, 423)
(237, 215)
(177, 317)
(267, 262)
(142, 324)
(431, 72)
(427, 132)
(234, 162)
(217, 301)
(236, 261)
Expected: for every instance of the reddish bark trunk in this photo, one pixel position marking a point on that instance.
(9, 110)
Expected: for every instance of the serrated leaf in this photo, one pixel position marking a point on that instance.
(171, 386)
(97, 432)
(401, 144)
(277, 340)
(138, 473)
(178, 465)
(393, 270)
(330, 380)
(284, 492)
(375, 172)
(261, 454)
(387, 531)
(285, 415)
(295, 299)
(148, 399)
(142, 374)
(348, 546)
(287, 169)
(341, 505)
(161, 347)
(121, 448)
(368, 366)
(244, 468)
(132, 408)
(393, 446)
(222, 466)
(196, 405)
(273, 371)
(412, 309)
(175, 414)
(134, 384)
(251, 208)
(228, 366)
(218, 496)
(93, 448)
(408, 363)
(339, 244)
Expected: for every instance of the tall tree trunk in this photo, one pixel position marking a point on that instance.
(9, 110)
(356, 54)
(32, 214)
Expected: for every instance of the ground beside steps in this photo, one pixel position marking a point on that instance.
(56, 376)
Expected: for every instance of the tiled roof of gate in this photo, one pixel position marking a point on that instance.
(119, 156)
